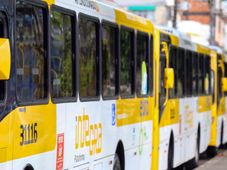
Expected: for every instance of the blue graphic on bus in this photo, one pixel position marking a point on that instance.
(113, 115)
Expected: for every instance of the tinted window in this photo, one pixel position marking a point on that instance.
(109, 59)
(201, 74)
(126, 62)
(61, 55)
(195, 74)
(181, 70)
(142, 65)
(173, 64)
(220, 75)
(151, 56)
(88, 57)
(188, 73)
(207, 83)
(31, 61)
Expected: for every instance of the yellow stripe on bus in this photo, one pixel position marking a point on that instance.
(171, 113)
(49, 2)
(32, 131)
(204, 104)
(133, 21)
(131, 111)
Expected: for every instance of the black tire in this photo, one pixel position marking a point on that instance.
(195, 161)
(170, 155)
(117, 163)
(212, 151)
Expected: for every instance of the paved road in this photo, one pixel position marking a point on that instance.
(217, 163)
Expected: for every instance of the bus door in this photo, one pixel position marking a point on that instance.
(166, 74)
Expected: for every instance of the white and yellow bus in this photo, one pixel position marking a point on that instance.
(185, 105)
(219, 119)
(80, 92)
(85, 85)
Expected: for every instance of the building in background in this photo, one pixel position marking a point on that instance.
(205, 21)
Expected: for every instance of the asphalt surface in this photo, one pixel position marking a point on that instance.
(217, 163)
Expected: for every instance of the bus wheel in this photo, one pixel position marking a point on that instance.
(117, 163)
(211, 151)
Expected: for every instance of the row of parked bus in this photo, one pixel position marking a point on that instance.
(87, 86)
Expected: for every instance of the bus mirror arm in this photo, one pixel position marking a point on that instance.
(5, 59)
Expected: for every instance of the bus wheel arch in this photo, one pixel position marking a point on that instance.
(120, 156)
(28, 167)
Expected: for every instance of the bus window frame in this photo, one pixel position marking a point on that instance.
(4, 19)
(115, 26)
(72, 14)
(44, 101)
(131, 30)
(148, 62)
(98, 62)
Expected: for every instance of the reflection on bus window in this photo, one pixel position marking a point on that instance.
(181, 76)
(142, 65)
(88, 38)
(126, 62)
(30, 53)
(109, 55)
(195, 74)
(201, 75)
(61, 55)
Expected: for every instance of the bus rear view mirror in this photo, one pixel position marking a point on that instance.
(224, 84)
(169, 78)
(5, 59)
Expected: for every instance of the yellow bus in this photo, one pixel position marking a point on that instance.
(219, 121)
(184, 88)
(80, 91)
(85, 85)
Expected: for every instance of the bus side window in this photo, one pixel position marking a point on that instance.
(31, 52)
(207, 83)
(62, 50)
(109, 60)
(195, 74)
(142, 64)
(188, 73)
(201, 74)
(88, 57)
(173, 64)
(180, 70)
(126, 62)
